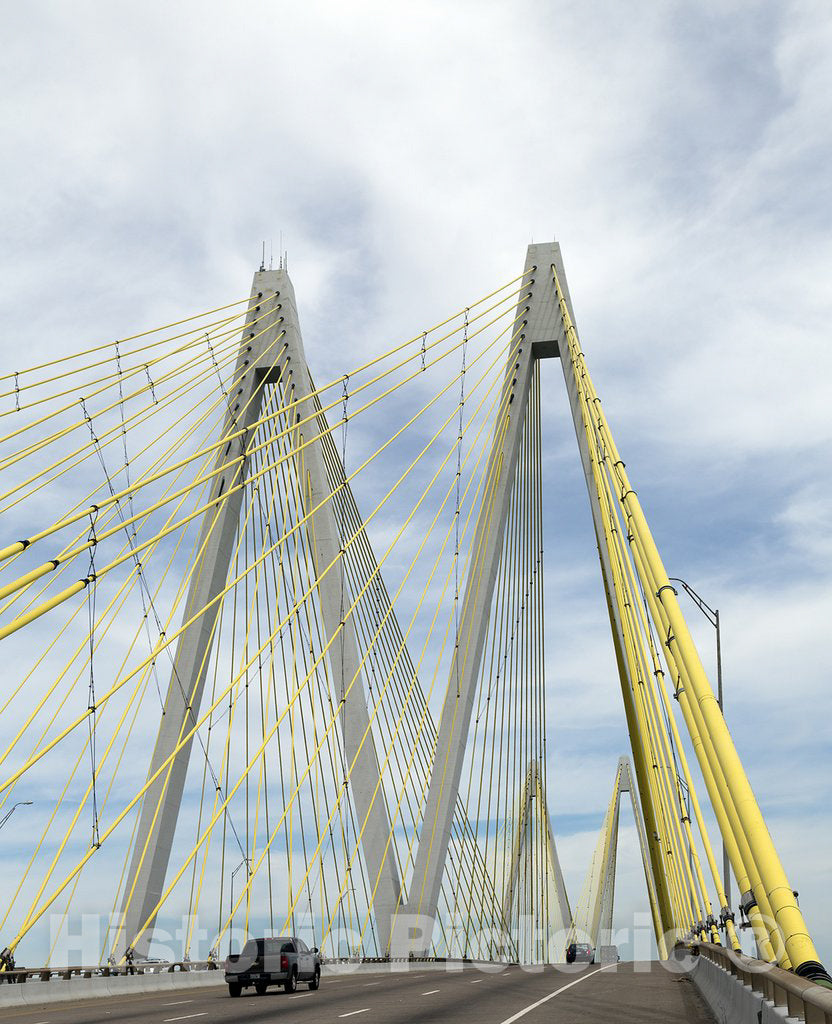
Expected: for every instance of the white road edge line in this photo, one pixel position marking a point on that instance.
(557, 992)
(352, 1013)
(187, 1016)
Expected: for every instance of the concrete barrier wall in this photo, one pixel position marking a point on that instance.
(730, 1001)
(41, 993)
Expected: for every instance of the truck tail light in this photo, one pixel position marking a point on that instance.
(284, 962)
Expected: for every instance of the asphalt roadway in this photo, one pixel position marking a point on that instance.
(587, 993)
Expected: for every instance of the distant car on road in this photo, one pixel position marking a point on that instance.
(150, 964)
(580, 953)
(282, 961)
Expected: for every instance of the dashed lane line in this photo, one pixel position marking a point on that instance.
(557, 992)
(352, 1013)
(432, 992)
(188, 1016)
(179, 1002)
(476, 981)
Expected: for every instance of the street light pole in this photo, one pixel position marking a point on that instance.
(718, 663)
(712, 615)
(10, 812)
(726, 866)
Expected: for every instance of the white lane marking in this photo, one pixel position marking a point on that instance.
(352, 1013)
(476, 981)
(187, 1016)
(432, 992)
(557, 992)
(180, 1002)
(371, 983)
(303, 995)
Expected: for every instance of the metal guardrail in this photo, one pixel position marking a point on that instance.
(20, 975)
(801, 998)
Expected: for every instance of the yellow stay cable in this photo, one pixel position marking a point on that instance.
(44, 477)
(43, 442)
(232, 435)
(377, 703)
(187, 738)
(184, 386)
(262, 746)
(203, 666)
(403, 704)
(135, 638)
(357, 599)
(714, 796)
(737, 830)
(650, 584)
(147, 554)
(627, 652)
(113, 377)
(735, 841)
(129, 337)
(655, 681)
(490, 479)
(402, 698)
(115, 511)
(143, 681)
(66, 594)
(492, 470)
(11, 549)
(49, 567)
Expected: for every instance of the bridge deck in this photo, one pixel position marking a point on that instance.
(642, 992)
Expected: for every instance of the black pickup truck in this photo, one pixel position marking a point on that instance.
(282, 961)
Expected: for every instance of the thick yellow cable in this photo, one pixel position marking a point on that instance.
(765, 945)
(799, 946)
(642, 758)
(736, 844)
(658, 677)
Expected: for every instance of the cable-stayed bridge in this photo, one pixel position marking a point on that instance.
(275, 651)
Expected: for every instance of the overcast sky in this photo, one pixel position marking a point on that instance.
(408, 153)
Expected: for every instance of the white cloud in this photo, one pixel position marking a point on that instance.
(679, 154)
